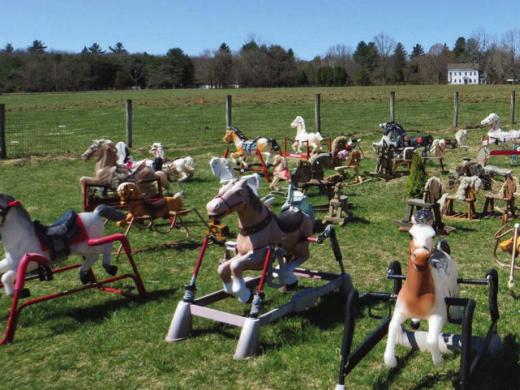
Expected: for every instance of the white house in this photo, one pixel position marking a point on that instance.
(464, 74)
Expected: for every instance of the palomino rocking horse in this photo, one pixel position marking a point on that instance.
(263, 237)
(259, 147)
(430, 292)
(30, 246)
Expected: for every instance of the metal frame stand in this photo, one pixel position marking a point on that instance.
(466, 342)
(46, 273)
(189, 307)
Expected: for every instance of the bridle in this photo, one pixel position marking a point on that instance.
(5, 210)
(419, 268)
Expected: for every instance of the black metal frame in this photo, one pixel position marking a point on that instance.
(349, 359)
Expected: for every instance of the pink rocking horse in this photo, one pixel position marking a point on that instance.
(259, 228)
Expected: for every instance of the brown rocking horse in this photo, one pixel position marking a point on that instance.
(138, 206)
(108, 173)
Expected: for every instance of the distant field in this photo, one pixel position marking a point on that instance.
(92, 340)
(66, 122)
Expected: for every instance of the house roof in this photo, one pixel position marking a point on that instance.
(463, 66)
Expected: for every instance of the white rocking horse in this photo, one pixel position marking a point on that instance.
(183, 168)
(496, 134)
(432, 276)
(302, 136)
(69, 235)
(222, 168)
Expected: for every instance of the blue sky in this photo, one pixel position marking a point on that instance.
(309, 27)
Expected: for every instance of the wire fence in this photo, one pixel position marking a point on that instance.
(43, 126)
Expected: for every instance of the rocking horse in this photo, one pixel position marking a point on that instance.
(263, 237)
(108, 175)
(140, 208)
(430, 292)
(30, 246)
(261, 147)
(313, 140)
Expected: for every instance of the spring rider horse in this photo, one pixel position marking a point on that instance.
(430, 292)
(263, 236)
(31, 246)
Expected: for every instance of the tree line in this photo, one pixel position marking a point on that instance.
(377, 62)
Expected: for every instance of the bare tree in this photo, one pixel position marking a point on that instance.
(385, 46)
(511, 43)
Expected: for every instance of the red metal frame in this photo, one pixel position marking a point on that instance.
(21, 278)
(504, 153)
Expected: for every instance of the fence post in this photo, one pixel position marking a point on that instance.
(229, 111)
(392, 106)
(513, 107)
(3, 152)
(456, 109)
(317, 113)
(129, 122)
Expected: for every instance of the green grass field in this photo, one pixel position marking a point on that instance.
(98, 340)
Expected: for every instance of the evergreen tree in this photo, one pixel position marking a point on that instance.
(459, 49)
(416, 181)
(399, 63)
(8, 49)
(118, 48)
(96, 49)
(37, 47)
(417, 51)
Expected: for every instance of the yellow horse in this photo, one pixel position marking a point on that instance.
(246, 147)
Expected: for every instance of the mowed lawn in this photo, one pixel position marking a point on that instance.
(93, 340)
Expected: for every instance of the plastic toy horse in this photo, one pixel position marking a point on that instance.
(221, 168)
(246, 147)
(69, 235)
(258, 229)
(139, 206)
(496, 134)
(302, 136)
(183, 168)
(110, 174)
(432, 276)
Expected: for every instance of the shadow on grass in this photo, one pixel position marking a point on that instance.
(393, 373)
(352, 218)
(179, 245)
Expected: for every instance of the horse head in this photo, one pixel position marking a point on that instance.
(129, 191)
(299, 124)
(421, 244)
(492, 120)
(157, 150)
(97, 146)
(234, 196)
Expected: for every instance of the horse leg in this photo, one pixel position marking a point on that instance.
(8, 279)
(239, 264)
(182, 176)
(225, 274)
(86, 266)
(294, 146)
(163, 179)
(393, 332)
(435, 324)
(109, 268)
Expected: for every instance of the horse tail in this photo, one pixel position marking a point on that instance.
(275, 145)
(108, 212)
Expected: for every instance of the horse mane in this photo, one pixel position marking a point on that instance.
(254, 200)
(240, 135)
(5, 199)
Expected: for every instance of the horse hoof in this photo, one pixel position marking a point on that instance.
(415, 324)
(84, 277)
(111, 269)
(25, 293)
(391, 361)
(288, 287)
